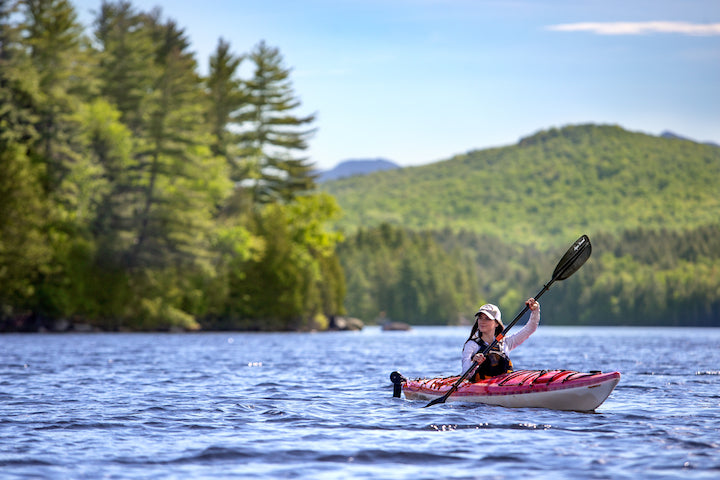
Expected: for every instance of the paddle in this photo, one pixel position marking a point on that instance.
(570, 263)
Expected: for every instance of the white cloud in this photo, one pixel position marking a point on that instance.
(639, 28)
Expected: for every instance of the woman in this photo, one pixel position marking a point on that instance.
(488, 324)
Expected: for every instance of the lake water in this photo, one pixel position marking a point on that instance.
(320, 406)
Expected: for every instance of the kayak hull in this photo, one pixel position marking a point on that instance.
(552, 389)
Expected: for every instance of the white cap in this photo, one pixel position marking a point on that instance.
(491, 311)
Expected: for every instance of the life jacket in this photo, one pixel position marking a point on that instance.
(496, 361)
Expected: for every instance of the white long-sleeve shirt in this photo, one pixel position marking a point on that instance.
(511, 341)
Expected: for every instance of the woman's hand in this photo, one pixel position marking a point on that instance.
(479, 358)
(532, 304)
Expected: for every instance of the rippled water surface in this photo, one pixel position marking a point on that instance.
(320, 406)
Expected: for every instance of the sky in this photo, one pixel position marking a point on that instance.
(419, 81)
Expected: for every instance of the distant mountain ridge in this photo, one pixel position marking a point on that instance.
(550, 186)
(674, 136)
(352, 167)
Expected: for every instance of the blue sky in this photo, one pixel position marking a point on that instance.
(418, 81)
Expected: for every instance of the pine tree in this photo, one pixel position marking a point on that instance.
(62, 58)
(271, 133)
(109, 143)
(158, 217)
(226, 94)
(173, 183)
(23, 246)
(128, 70)
(128, 75)
(183, 182)
(18, 81)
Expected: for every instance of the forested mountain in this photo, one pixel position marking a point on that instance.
(503, 217)
(348, 168)
(547, 188)
(675, 136)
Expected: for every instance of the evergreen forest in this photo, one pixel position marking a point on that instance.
(137, 194)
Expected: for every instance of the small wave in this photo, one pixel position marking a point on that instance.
(642, 388)
(369, 456)
(216, 453)
(210, 454)
(273, 412)
(268, 384)
(634, 417)
(392, 456)
(502, 458)
(63, 425)
(708, 372)
(154, 409)
(24, 462)
(195, 426)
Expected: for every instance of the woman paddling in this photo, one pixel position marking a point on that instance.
(488, 324)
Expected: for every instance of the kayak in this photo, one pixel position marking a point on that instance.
(552, 389)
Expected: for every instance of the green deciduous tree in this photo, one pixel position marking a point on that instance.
(294, 280)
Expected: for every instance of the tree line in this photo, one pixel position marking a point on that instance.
(640, 277)
(136, 193)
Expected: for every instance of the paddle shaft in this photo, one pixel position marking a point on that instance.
(556, 275)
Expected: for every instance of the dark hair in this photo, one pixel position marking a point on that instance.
(474, 329)
(498, 327)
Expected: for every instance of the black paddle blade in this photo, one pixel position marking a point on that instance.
(573, 259)
(397, 379)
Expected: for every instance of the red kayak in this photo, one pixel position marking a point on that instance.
(553, 389)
